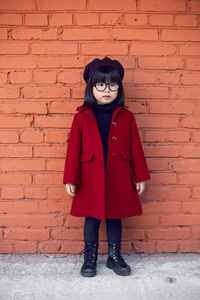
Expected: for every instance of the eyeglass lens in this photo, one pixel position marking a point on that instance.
(101, 86)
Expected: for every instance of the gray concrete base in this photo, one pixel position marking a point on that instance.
(38, 277)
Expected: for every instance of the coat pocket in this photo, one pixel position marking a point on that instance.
(125, 155)
(86, 156)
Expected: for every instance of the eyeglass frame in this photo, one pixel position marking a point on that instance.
(107, 84)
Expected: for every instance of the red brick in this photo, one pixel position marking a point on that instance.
(3, 77)
(163, 178)
(54, 48)
(61, 5)
(49, 246)
(27, 234)
(22, 220)
(168, 233)
(50, 151)
(162, 151)
(86, 34)
(55, 165)
(136, 34)
(135, 19)
(44, 76)
(144, 77)
(191, 49)
(36, 19)
(61, 61)
(6, 247)
(15, 151)
(19, 5)
(159, 207)
(190, 78)
(111, 5)
(102, 48)
(9, 92)
(190, 246)
(8, 137)
(194, 4)
(60, 19)
(154, 136)
(144, 247)
(17, 62)
(192, 179)
(57, 193)
(25, 247)
(168, 77)
(157, 5)
(3, 34)
(180, 220)
(159, 121)
(171, 107)
(190, 207)
(185, 92)
(18, 207)
(141, 221)
(166, 246)
(23, 107)
(186, 20)
(190, 165)
(13, 48)
(15, 122)
(22, 164)
(12, 193)
(35, 192)
(15, 179)
(46, 92)
(180, 35)
(34, 34)
(10, 19)
(62, 107)
(70, 76)
(31, 136)
(190, 151)
(86, 19)
(17, 77)
(178, 136)
(55, 122)
(193, 63)
(148, 48)
(146, 92)
(48, 179)
(159, 164)
(55, 136)
(67, 234)
(166, 63)
(53, 206)
(161, 20)
(111, 19)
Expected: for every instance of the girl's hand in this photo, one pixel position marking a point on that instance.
(140, 186)
(70, 188)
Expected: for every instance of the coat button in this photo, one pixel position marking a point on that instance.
(114, 138)
(114, 123)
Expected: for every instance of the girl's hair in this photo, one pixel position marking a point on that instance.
(103, 74)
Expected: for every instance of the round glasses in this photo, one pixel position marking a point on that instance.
(101, 86)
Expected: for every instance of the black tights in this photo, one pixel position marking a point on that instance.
(91, 230)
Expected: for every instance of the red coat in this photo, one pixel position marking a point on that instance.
(110, 193)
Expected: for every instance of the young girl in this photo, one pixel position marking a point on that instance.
(105, 167)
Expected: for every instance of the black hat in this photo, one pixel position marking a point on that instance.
(102, 62)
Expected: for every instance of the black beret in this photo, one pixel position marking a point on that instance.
(102, 62)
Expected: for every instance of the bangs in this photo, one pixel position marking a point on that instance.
(104, 74)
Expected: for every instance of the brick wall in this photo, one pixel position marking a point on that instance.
(44, 46)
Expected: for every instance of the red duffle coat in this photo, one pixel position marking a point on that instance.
(110, 192)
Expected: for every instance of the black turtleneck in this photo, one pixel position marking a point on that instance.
(103, 114)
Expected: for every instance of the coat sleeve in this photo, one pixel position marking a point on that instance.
(139, 165)
(72, 160)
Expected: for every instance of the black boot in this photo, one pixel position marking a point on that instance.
(115, 261)
(90, 258)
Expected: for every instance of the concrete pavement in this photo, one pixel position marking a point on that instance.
(52, 277)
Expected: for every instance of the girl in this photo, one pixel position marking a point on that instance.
(105, 167)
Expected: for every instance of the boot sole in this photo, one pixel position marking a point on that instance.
(122, 273)
(89, 274)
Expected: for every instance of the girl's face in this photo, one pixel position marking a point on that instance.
(106, 96)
